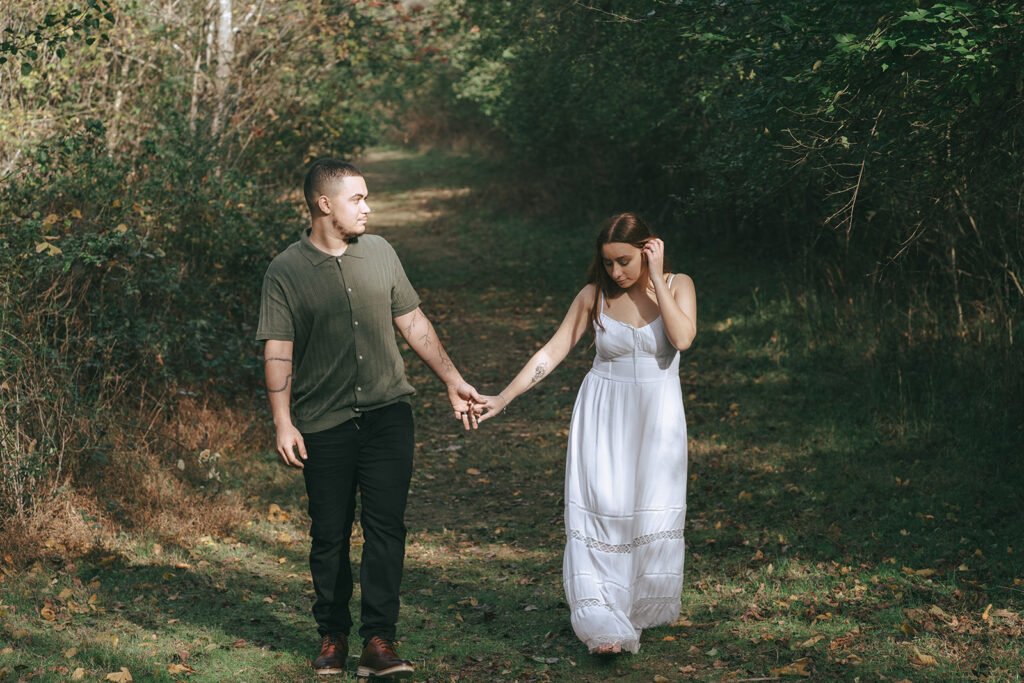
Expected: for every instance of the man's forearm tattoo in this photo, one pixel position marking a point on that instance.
(287, 380)
(444, 360)
(539, 372)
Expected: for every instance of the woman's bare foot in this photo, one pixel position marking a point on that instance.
(609, 649)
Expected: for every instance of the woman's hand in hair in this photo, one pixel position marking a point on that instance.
(654, 253)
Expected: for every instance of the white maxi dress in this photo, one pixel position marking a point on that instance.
(625, 488)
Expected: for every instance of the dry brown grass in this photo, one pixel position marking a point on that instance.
(149, 467)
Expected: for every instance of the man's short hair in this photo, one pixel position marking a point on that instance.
(322, 174)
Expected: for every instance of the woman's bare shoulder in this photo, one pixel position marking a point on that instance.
(677, 280)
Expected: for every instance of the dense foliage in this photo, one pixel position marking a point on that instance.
(880, 140)
(150, 156)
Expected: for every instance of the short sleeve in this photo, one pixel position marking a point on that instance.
(403, 297)
(275, 315)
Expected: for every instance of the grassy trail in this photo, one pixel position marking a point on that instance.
(828, 538)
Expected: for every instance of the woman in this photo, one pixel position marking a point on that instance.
(625, 474)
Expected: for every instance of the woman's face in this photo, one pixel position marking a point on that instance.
(624, 263)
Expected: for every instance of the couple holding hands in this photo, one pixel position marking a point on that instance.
(340, 401)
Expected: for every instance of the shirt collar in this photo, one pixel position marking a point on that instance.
(317, 257)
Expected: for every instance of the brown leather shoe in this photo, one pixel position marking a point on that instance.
(333, 653)
(380, 661)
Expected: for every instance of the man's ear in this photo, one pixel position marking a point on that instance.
(324, 204)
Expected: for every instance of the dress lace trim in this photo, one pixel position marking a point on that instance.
(639, 603)
(595, 544)
(642, 603)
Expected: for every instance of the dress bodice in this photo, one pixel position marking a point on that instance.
(634, 354)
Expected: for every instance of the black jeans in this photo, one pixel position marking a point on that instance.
(371, 453)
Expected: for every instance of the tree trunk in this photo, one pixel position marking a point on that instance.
(225, 56)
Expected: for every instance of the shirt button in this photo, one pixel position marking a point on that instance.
(360, 357)
(359, 388)
(350, 289)
(356, 322)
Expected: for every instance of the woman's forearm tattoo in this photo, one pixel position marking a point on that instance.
(538, 373)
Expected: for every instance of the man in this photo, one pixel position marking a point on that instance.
(340, 401)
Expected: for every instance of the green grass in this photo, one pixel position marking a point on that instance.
(854, 505)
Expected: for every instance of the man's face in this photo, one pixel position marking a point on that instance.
(348, 207)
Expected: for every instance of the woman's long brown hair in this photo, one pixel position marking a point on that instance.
(624, 227)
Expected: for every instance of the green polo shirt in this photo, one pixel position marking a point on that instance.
(338, 311)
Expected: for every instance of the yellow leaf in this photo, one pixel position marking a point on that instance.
(48, 614)
(169, 575)
(984, 616)
(70, 652)
(78, 675)
(65, 594)
(42, 246)
(119, 676)
(660, 679)
(472, 470)
(276, 514)
(745, 496)
(811, 641)
(920, 659)
(121, 227)
(179, 669)
(75, 213)
(669, 639)
(50, 219)
(797, 668)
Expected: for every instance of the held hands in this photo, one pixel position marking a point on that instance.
(488, 407)
(654, 252)
(465, 399)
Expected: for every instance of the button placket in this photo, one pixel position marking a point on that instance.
(355, 335)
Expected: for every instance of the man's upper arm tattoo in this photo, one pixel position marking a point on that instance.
(287, 380)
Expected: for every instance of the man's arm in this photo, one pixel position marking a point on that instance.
(277, 368)
(417, 330)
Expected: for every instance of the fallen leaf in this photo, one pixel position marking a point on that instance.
(797, 668)
(70, 652)
(660, 679)
(65, 594)
(78, 674)
(919, 659)
(119, 676)
(811, 641)
(180, 668)
(276, 514)
(984, 616)
(48, 614)
(472, 470)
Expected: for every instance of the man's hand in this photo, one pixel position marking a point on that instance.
(463, 397)
(289, 439)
